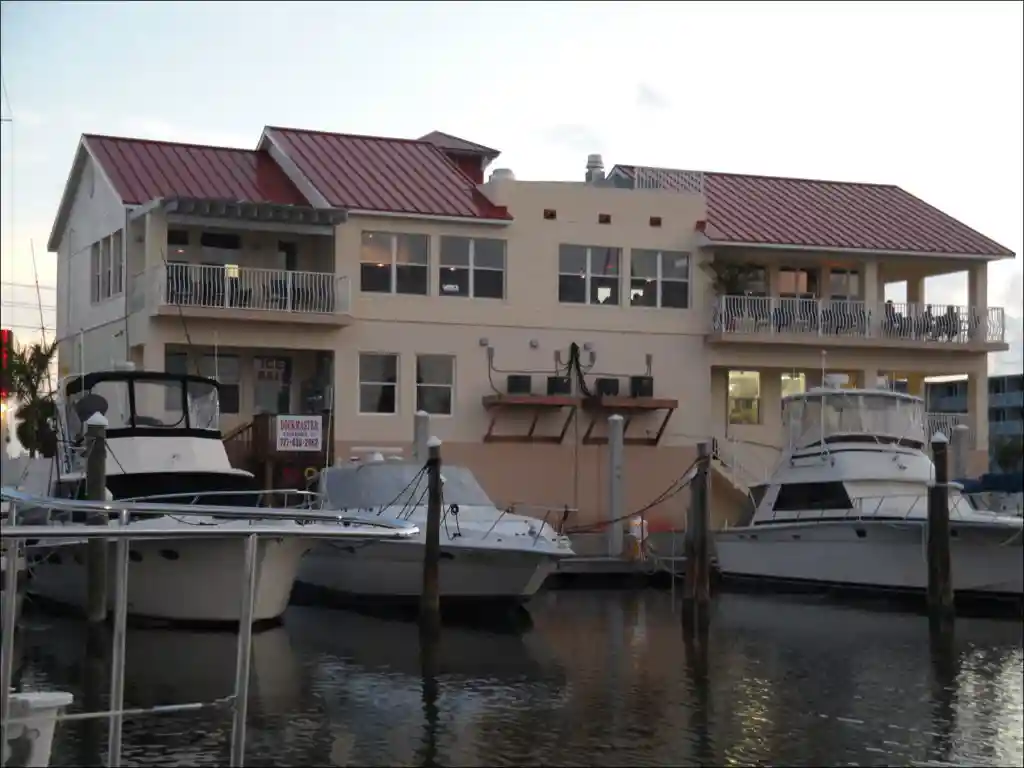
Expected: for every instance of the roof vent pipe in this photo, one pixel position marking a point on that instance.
(502, 174)
(595, 169)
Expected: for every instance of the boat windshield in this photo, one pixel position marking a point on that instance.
(380, 485)
(812, 418)
(157, 403)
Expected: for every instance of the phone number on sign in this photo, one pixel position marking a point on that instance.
(299, 442)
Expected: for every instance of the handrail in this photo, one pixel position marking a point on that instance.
(199, 510)
(123, 533)
(237, 431)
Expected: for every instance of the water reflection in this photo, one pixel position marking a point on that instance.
(603, 679)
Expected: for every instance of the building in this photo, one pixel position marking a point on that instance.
(385, 276)
(1005, 407)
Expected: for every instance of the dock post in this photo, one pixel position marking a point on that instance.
(697, 582)
(430, 595)
(420, 436)
(616, 492)
(96, 490)
(940, 578)
(960, 446)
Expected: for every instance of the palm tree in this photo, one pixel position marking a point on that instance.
(33, 396)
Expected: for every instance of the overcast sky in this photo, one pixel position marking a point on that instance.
(924, 95)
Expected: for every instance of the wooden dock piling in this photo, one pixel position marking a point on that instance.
(941, 608)
(96, 490)
(430, 599)
(697, 579)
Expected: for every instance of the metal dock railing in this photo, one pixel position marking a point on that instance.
(14, 537)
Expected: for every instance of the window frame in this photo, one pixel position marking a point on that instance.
(94, 273)
(659, 278)
(588, 275)
(450, 386)
(758, 409)
(106, 269)
(394, 264)
(225, 385)
(117, 261)
(471, 267)
(363, 382)
(846, 274)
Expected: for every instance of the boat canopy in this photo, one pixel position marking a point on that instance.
(826, 415)
(376, 485)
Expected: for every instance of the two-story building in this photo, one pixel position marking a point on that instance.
(368, 278)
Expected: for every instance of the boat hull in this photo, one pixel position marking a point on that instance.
(987, 560)
(394, 570)
(198, 581)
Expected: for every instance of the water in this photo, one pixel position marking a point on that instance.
(603, 678)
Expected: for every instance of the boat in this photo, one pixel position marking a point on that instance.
(488, 555)
(165, 453)
(847, 505)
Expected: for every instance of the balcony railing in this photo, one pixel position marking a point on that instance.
(946, 423)
(233, 287)
(939, 323)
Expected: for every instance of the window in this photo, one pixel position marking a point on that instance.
(793, 384)
(177, 363)
(588, 274)
(756, 281)
(798, 283)
(655, 221)
(472, 267)
(94, 273)
(105, 269)
(177, 243)
(550, 214)
(659, 279)
(844, 285)
(117, 256)
(435, 384)
(394, 263)
(799, 497)
(378, 383)
(227, 370)
(604, 218)
(272, 391)
(744, 397)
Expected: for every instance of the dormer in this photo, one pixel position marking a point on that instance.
(472, 159)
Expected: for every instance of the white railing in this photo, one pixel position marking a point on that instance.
(668, 179)
(937, 323)
(735, 456)
(947, 422)
(233, 287)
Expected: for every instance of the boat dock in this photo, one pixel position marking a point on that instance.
(654, 563)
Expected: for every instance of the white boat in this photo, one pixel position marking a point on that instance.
(847, 505)
(487, 554)
(164, 446)
(28, 734)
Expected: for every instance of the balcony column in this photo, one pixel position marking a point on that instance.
(977, 300)
(915, 290)
(873, 298)
(868, 378)
(977, 404)
(156, 238)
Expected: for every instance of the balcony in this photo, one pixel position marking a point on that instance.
(946, 422)
(244, 293)
(855, 323)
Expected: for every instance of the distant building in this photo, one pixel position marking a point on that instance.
(1005, 401)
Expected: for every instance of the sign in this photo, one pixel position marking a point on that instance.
(299, 433)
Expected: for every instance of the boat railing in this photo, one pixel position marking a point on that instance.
(538, 513)
(122, 534)
(260, 498)
(906, 506)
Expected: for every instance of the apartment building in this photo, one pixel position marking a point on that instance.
(948, 401)
(368, 277)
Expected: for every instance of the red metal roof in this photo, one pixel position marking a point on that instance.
(370, 173)
(143, 170)
(767, 210)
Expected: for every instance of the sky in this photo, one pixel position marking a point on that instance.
(926, 95)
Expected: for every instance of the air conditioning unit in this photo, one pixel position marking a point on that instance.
(559, 385)
(606, 387)
(641, 386)
(519, 384)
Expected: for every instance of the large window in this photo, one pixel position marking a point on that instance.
(272, 384)
(94, 273)
(744, 397)
(226, 369)
(435, 384)
(588, 274)
(659, 279)
(378, 383)
(394, 263)
(472, 267)
(798, 283)
(844, 285)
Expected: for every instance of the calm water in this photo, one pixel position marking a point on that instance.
(603, 678)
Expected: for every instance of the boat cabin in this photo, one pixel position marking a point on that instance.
(825, 415)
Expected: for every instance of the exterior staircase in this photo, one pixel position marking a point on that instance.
(738, 467)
